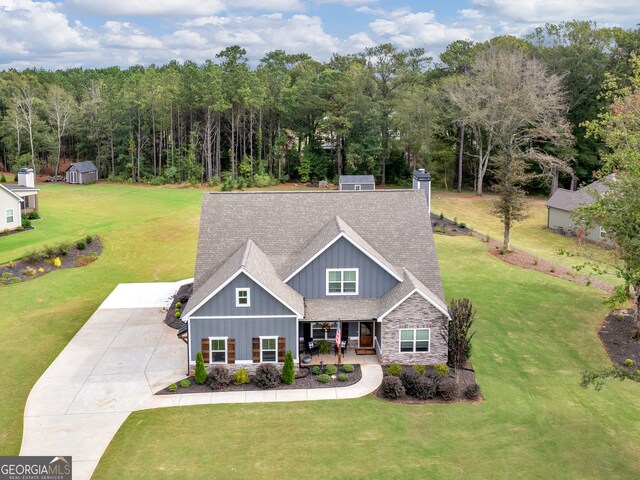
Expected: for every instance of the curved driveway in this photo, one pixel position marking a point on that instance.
(123, 354)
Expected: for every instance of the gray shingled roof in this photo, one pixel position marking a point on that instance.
(401, 290)
(83, 167)
(567, 200)
(392, 223)
(252, 260)
(359, 179)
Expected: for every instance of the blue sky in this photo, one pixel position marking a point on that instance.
(97, 33)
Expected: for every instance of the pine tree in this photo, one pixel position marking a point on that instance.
(288, 370)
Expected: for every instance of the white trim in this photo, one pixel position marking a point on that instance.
(226, 350)
(244, 362)
(228, 281)
(414, 329)
(346, 237)
(342, 270)
(269, 337)
(224, 317)
(423, 295)
(357, 188)
(13, 215)
(11, 192)
(243, 289)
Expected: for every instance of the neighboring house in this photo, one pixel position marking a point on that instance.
(563, 202)
(277, 269)
(10, 205)
(422, 181)
(82, 173)
(357, 182)
(26, 190)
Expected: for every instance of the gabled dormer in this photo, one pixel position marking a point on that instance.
(339, 263)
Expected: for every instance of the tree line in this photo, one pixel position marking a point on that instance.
(509, 113)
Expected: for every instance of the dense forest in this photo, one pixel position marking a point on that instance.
(291, 118)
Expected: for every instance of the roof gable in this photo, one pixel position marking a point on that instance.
(7, 190)
(357, 179)
(567, 200)
(83, 167)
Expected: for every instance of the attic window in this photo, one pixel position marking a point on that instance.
(243, 297)
(342, 281)
(358, 188)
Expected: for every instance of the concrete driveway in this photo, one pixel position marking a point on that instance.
(119, 358)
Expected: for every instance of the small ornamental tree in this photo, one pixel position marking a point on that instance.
(459, 332)
(288, 370)
(201, 372)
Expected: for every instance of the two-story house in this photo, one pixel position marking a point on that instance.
(276, 269)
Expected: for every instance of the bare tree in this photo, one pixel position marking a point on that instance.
(516, 110)
(60, 106)
(25, 102)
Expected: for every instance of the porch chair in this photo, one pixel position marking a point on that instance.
(343, 346)
(312, 348)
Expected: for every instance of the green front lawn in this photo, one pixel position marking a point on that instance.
(531, 234)
(535, 335)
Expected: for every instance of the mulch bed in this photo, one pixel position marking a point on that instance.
(17, 268)
(466, 376)
(616, 336)
(307, 381)
(13, 232)
(444, 226)
(182, 296)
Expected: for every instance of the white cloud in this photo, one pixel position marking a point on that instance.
(349, 3)
(146, 8)
(126, 35)
(535, 12)
(471, 13)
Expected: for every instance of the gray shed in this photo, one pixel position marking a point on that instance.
(82, 173)
(357, 182)
(563, 202)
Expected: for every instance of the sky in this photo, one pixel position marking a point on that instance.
(61, 34)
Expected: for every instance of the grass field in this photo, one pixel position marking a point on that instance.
(531, 234)
(535, 335)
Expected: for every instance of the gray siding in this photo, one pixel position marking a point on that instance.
(373, 280)
(561, 218)
(352, 186)
(242, 330)
(224, 302)
(88, 177)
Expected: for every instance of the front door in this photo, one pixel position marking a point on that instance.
(366, 335)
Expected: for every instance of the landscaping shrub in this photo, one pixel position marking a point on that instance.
(33, 257)
(267, 376)
(392, 387)
(219, 377)
(26, 223)
(316, 370)
(81, 245)
(441, 369)
(324, 378)
(201, 373)
(84, 260)
(420, 369)
(241, 377)
(425, 387)
(57, 262)
(394, 370)
(288, 369)
(178, 304)
(409, 377)
(177, 313)
(6, 278)
(472, 391)
(61, 249)
(3, 179)
(172, 388)
(330, 369)
(447, 389)
(186, 383)
(88, 239)
(29, 272)
(324, 346)
(462, 316)
(20, 228)
(628, 362)
(343, 377)
(348, 368)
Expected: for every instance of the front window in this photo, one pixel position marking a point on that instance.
(414, 340)
(218, 350)
(243, 297)
(268, 349)
(9, 215)
(324, 330)
(342, 281)
(358, 188)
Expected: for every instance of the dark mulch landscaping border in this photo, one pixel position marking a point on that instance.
(444, 226)
(306, 382)
(466, 376)
(66, 261)
(182, 296)
(14, 231)
(616, 337)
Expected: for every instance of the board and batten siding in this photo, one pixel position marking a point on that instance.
(224, 302)
(243, 330)
(373, 281)
(562, 218)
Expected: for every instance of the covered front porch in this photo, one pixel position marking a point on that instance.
(358, 342)
(350, 357)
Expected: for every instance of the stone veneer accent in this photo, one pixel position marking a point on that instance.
(414, 312)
